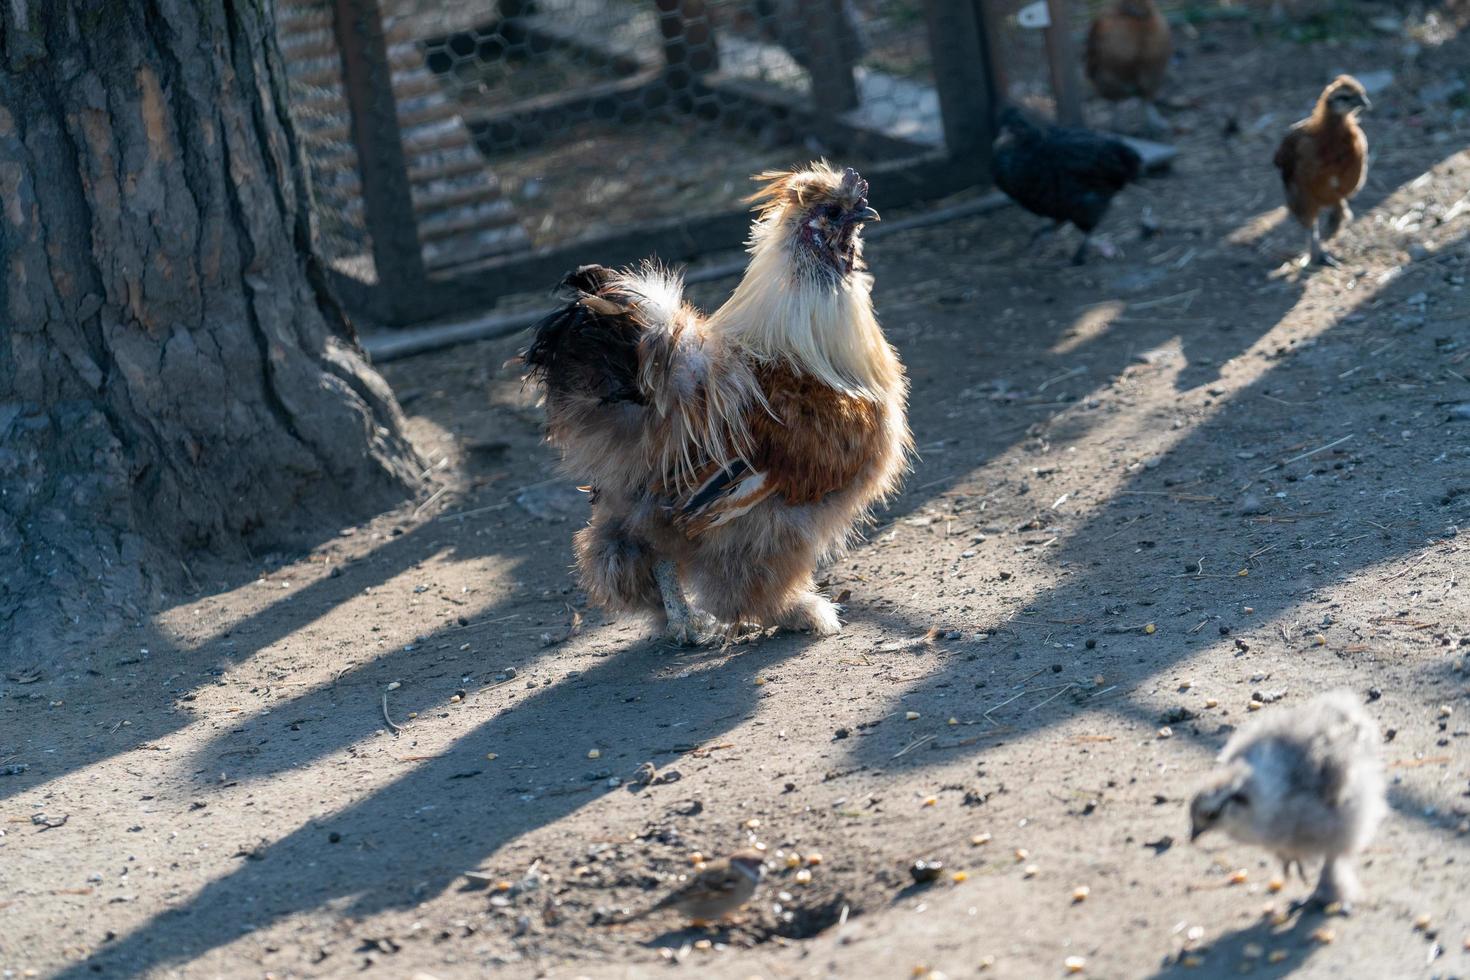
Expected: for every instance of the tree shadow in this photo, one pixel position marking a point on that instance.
(441, 804)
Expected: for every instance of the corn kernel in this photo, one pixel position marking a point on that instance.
(696, 858)
(953, 721)
(1238, 876)
(960, 876)
(813, 859)
(1029, 871)
(760, 681)
(1319, 640)
(1445, 711)
(491, 756)
(1421, 923)
(1254, 705)
(979, 839)
(1211, 703)
(503, 886)
(1074, 964)
(1243, 573)
(803, 877)
(1192, 960)
(1166, 732)
(1022, 854)
(704, 944)
(1276, 955)
(793, 860)
(986, 962)
(1275, 885)
(911, 716)
(930, 800)
(1080, 893)
(753, 823)
(1150, 628)
(1323, 935)
(594, 753)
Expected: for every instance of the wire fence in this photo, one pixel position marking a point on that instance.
(462, 149)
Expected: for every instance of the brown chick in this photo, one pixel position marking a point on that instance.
(716, 890)
(1324, 161)
(1128, 50)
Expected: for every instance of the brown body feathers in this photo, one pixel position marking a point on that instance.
(1128, 51)
(729, 454)
(1324, 161)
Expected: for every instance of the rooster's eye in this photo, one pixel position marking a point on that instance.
(832, 212)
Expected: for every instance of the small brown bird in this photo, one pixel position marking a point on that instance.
(1324, 161)
(716, 890)
(1303, 783)
(1128, 51)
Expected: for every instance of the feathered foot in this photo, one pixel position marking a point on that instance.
(813, 612)
(1337, 888)
(687, 626)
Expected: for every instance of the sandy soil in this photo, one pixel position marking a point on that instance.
(1185, 477)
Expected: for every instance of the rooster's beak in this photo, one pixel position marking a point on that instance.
(865, 214)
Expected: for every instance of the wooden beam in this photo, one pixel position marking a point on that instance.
(964, 79)
(827, 44)
(1061, 56)
(388, 211)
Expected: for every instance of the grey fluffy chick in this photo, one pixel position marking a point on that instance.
(1302, 784)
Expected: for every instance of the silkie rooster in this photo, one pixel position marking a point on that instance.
(729, 454)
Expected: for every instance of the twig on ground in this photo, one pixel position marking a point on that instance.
(394, 728)
(1310, 452)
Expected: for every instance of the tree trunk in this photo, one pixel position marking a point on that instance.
(175, 380)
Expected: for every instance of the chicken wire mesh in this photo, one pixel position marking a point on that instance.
(533, 124)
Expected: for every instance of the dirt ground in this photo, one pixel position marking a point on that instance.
(1149, 491)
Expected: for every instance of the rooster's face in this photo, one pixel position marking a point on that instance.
(819, 211)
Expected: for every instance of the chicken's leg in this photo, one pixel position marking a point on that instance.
(1154, 123)
(1340, 215)
(1316, 254)
(687, 626)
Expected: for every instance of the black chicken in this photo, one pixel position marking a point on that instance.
(1064, 173)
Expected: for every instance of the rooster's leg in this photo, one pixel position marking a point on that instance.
(1316, 254)
(1154, 123)
(687, 626)
(1079, 257)
(1042, 234)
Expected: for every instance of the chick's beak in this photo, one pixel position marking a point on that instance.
(1364, 103)
(865, 213)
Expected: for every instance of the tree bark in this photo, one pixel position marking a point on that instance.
(176, 381)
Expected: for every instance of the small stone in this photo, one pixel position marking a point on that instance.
(924, 872)
(911, 716)
(1166, 732)
(594, 753)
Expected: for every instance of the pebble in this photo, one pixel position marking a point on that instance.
(924, 872)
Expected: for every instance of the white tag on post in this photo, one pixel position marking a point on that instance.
(1034, 15)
